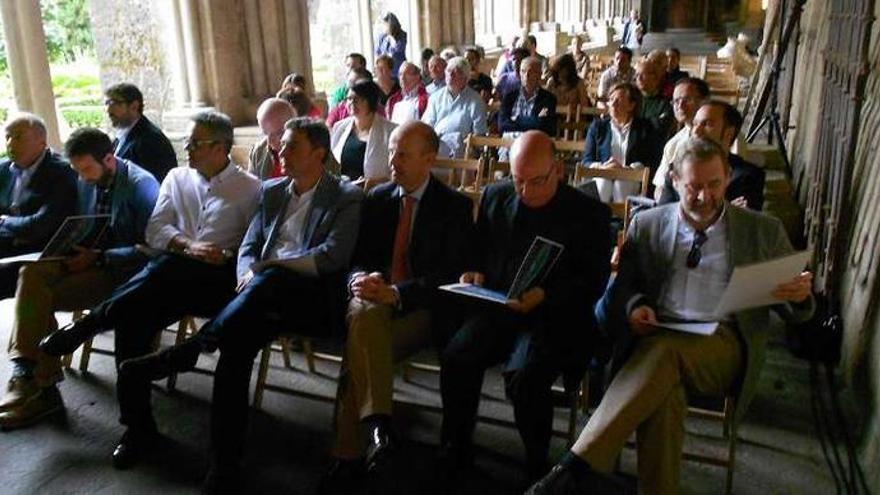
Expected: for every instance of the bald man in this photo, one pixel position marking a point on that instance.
(409, 102)
(413, 237)
(264, 160)
(550, 330)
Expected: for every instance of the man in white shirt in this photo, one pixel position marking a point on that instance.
(436, 71)
(196, 227)
(688, 95)
(456, 111)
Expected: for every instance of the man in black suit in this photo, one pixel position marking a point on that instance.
(37, 192)
(550, 330)
(137, 139)
(413, 238)
(531, 106)
(720, 122)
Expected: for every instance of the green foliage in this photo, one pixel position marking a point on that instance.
(77, 81)
(68, 29)
(83, 116)
(4, 112)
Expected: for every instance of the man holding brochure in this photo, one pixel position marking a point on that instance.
(544, 331)
(675, 267)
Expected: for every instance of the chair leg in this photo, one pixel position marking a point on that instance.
(66, 360)
(261, 376)
(285, 352)
(182, 331)
(585, 394)
(572, 416)
(406, 372)
(86, 353)
(731, 462)
(310, 355)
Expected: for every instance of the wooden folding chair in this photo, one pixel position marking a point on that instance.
(641, 175)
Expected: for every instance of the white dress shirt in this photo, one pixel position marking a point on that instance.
(671, 152)
(616, 191)
(693, 293)
(216, 210)
(289, 243)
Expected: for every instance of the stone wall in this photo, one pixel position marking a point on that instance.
(129, 48)
(860, 289)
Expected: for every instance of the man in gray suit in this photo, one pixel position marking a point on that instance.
(292, 267)
(675, 265)
(264, 161)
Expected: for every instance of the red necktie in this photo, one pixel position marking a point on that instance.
(276, 165)
(399, 265)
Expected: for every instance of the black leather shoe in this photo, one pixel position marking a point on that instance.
(132, 447)
(564, 481)
(68, 338)
(381, 447)
(161, 364)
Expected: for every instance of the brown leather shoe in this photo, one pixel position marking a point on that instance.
(18, 390)
(32, 408)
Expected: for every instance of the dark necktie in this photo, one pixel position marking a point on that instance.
(399, 265)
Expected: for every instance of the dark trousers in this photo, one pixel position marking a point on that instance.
(167, 289)
(275, 300)
(483, 341)
(9, 279)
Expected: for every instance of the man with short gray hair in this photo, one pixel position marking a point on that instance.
(674, 267)
(456, 110)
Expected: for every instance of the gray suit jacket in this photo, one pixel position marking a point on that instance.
(260, 160)
(646, 260)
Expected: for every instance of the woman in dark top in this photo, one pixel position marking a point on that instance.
(478, 81)
(385, 78)
(360, 142)
(392, 42)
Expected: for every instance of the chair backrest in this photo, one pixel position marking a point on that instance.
(497, 170)
(640, 175)
(463, 175)
(240, 155)
(473, 142)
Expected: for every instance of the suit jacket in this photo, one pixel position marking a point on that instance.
(544, 102)
(48, 198)
(642, 146)
(376, 156)
(746, 180)
(646, 261)
(564, 323)
(148, 147)
(438, 240)
(331, 229)
(131, 203)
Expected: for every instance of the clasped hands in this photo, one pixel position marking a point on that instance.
(527, 301)
(372, 287)
(643, 320)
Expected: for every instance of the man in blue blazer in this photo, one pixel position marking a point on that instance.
(530, 107)
(550, 330)
(137, 139)
(37, 192)
(291, 278)
(107, 185)
(675, 266)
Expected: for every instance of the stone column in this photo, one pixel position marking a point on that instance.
(192, 51)
(175, 51)
(446, 22)
(297, 56)
(29, 64)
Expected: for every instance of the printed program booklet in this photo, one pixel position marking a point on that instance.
(78, 230)
(539, 260)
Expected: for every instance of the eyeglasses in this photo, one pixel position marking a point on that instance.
(191, 144)
(695, 254)
(534, 181)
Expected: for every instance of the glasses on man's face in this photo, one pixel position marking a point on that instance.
(696, 254)
(534, 181)
(192, 144)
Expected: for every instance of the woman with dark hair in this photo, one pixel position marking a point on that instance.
(623, 140)
(300, 101)
(360, 142)
(392, 42)
(478, 81)
(385, 79)
(565, 84)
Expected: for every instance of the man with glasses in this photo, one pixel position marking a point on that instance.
(720, 122)
(137, 139)
(107, 185)
(200, 217)
(688, 95)
(264, 160)
(550, 329)
(675, 265)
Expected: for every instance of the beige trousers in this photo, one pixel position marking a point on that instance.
(649, 396)
(44, 288)
(376, 341)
